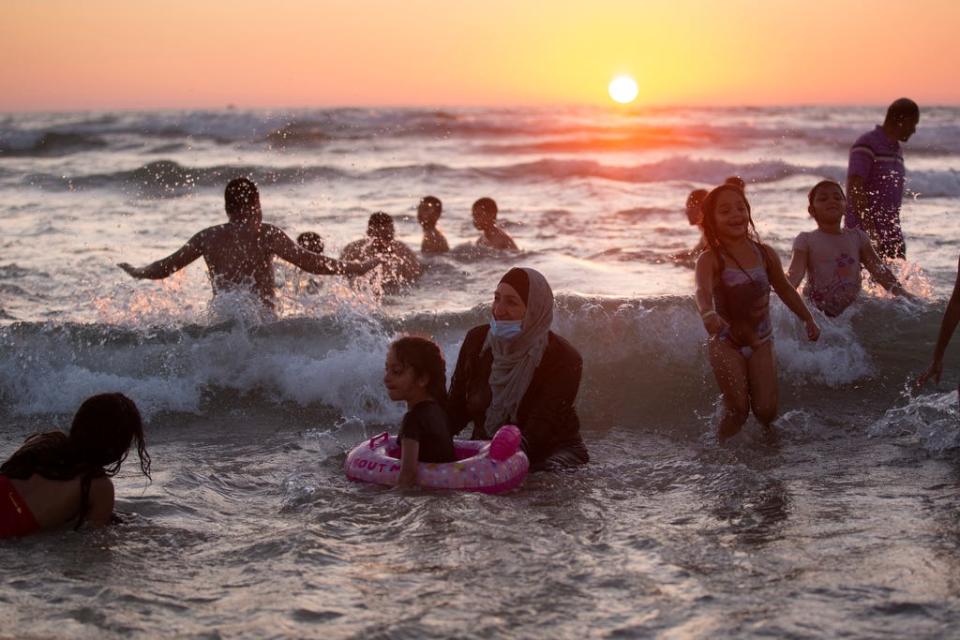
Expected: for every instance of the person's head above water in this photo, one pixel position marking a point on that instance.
(104, 428)
(902, 118)
(310, 241)
(736, 181)
(694, 200)
(484, 213)
(827, 202)
(242, 201)
(726, 216)
(428, 212)
(419, 361)
(380, 227)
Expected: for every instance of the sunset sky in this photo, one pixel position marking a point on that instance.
(59, 54)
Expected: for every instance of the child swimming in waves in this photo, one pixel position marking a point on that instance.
(57, 478)
(734, 276)
(831, 257)
(415, 373)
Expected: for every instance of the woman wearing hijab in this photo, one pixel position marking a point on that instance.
(516, 371)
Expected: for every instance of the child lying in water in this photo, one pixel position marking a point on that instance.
(831, 257)
(57, 478)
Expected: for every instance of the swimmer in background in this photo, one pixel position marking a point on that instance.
(239, 254)
(428, 213)
(831, 257)
(485, 220)
(734, 276)
(415, 372)
(398, 264)
(312, 242)
(951, 317)
(55, 478)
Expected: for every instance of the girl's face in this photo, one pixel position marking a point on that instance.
(731, 216)
(507, 304)
(401, 381)
(828, 204)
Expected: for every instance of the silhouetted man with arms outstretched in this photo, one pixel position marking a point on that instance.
(239, 254)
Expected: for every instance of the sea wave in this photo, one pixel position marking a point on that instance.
(644, 360)
(494, 130)
(167, 178)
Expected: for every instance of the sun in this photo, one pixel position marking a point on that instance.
(623, 89)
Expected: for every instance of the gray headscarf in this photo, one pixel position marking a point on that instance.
(516, 359)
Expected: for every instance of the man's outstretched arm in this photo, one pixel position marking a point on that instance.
(171, 264)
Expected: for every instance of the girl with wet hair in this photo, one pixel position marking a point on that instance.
(57, 478)
(734, 276)
(416, 373)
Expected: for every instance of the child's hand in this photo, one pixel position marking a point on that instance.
(813, 330)
(933, 371)
(714, 324)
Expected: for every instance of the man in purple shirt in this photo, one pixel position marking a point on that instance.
(875, 179)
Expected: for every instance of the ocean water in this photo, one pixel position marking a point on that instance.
(846, 524)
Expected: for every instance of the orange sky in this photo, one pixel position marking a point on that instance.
(59, 54)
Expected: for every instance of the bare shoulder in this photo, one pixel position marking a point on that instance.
(707, 260)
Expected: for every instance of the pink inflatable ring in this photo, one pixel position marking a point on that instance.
(494, 466)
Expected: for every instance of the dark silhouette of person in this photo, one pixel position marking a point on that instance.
(428, 213)
(875, 179)
(399, 264)
(239, 254)
(311, 241)
(485, 220)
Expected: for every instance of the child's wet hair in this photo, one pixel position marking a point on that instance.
(823, 183)
(425, 357)
(103, 430)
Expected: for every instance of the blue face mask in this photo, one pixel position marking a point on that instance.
(506, 329)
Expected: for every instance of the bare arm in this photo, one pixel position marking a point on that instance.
(880, 272)
(788, 293)
(283, 247)
(860, 202)
(410, 453)
(951, 317)
(171, 264)
(798, 267)
(705, 274)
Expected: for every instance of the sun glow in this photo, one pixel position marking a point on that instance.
(623, 89)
